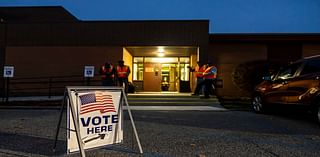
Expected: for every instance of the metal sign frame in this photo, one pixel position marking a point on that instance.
(67, 101)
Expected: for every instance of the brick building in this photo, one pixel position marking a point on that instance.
(51, 44)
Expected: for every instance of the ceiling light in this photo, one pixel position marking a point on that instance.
(161, 54)
(160, 49)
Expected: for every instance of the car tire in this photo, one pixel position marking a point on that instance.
(257, 104)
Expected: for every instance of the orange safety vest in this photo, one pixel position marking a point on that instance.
(210, 73)
(199, 71)
(122, 71)
(105, 71)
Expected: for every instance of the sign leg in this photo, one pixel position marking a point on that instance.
(132, 122)
(76, 125)
(59, 122)
(8, 90)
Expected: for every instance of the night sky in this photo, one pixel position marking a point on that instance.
(226, 16)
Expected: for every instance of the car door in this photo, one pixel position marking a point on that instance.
(305, 84)
(276, 92)
(278, 88)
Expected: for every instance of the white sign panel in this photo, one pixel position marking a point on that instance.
(88, 71)
(99, 115)
(8, 71)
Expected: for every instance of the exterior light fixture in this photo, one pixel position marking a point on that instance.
(160, 51)
(161, 54)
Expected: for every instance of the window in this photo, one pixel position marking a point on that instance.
(184, 72)
(184, 59)
(161, 59)
(288, 72)
(311, 67)
(138, 68)
(137, 59)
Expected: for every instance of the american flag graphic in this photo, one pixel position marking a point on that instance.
(98, 101)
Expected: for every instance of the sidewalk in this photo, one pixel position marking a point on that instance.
(34, 98)
(58, 98)
(146, 101)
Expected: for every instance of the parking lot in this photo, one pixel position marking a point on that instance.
(235, 132)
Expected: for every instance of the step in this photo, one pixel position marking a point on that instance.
(170, 100)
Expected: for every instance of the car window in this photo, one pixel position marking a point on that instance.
(288, 72)
(311, 67)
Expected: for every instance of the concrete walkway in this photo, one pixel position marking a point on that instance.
(57, 98)
(146, 101)
(176, 108)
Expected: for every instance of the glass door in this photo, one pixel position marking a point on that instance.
(170, 79)
(184, 75)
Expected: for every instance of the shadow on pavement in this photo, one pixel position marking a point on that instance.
(244, 121)
(288, 112)
(236, 104)
(29, 145)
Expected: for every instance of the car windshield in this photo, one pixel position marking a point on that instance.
(287, 72)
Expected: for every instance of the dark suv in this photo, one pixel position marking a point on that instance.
(296, 84)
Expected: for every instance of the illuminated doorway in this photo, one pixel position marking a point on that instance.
(162, 73)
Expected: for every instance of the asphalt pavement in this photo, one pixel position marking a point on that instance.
(30, 132)
(172, 125)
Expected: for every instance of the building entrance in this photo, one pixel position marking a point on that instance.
(158, 74)
(170, 77)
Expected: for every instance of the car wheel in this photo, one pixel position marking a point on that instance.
(257, 104)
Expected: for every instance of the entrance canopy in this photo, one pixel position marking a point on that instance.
(167, 51)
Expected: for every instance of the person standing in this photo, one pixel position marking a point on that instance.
(107, 72)
(209, 76)
(198, 72)
(123, 72)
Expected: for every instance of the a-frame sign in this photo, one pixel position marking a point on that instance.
(94, 117)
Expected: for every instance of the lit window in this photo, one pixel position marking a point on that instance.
(184, 72)
(137, 71)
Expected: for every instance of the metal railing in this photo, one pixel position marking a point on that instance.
(44, 86)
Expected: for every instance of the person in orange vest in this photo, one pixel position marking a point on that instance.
(209, 76)
(123, 72)
(107, 72)
(198, 72)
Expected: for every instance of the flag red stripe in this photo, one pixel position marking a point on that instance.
(103, 103)
(97, 108)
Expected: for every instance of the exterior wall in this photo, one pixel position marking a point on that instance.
(311, 49)
(59, 61)
(47, 70)
(2, 79)
(127, 58)
(193, 79)
(3, 43)
(106, 33)
(283, 53)
(227, 56)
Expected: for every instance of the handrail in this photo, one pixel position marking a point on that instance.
(49, 86)
(45, 77)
